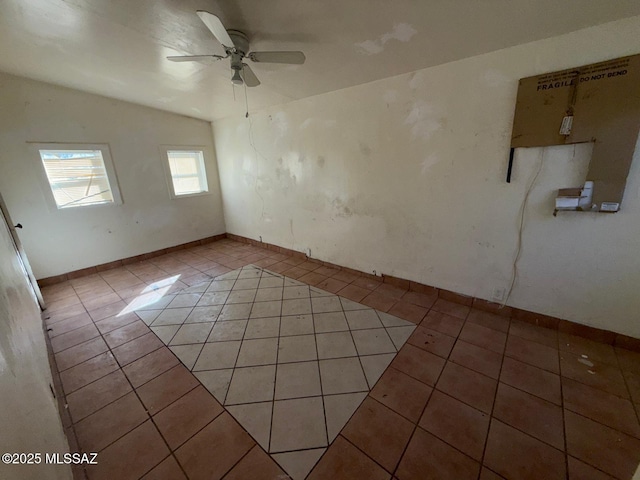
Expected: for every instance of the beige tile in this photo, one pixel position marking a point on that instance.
(217, 355)
(295, 380)
(173, 316)
(363, 319)
(224, 331)
(296, 325)
(216, 381)
(188, 354)
(298, 306)
(262, 328)
(192, 333)
(299, 464)
(297, 349)
(330, 322)
(251, 384)
(342, 375)
(298, 424)
(375, 365)
(255, 418)
(262, 351)
(372, 342)
(335, 345)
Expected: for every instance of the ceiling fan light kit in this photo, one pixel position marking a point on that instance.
(236, 47)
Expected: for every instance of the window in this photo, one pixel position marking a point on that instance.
(188, 176)
(79, 175)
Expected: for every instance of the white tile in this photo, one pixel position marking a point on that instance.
(172, 316)
(199, 288)
(297, 349)
(375, 365)
(216, 381)
(237, 311)
(241, 296)
(335, 345)
(256, 419)
(230, 330)
(204, 314)
(351, 305)
(229, 276)
(326, 304)
(297, 291)
(271, 281)
(269, 294)
(299, 464)
(252, 272)
(298, 306)
(251, 384)
(298, 424)
(342, 375)
(266, 309)
(148, 316)
(361, 319)
(317, 292)
(187, 353)
(185, 300)
(191, 333)
(262, 328)
(330, 322)
(150, 301)
(399, 335)
(262, 351)
(295, 380)
(389, 320)
(218, 355)
(371, 342)
(213, 298)
(165, 332)
(290, 282)
(296, 325)
(220, 285)
(246, 284)
(338, 410)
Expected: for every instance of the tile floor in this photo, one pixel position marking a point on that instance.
(470, 394)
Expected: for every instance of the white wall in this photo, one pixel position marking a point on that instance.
(406, 176)
(29, 419)
(59, 241)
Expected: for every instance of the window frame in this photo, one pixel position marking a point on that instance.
(165, 149)
(107, 159)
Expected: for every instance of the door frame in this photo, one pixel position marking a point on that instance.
(22, 256)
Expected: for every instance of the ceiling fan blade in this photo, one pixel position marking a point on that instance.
(195, 58)
(214, 24)
(295, 58)
(248, 76)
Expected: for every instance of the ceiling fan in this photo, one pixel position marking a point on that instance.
(236, 46)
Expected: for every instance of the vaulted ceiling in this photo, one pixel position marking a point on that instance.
(117, 48)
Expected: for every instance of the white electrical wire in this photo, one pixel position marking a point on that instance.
(523, 208)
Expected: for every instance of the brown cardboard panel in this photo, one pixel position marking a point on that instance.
(604, 102)
(542, 103)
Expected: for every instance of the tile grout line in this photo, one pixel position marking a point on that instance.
(495, 397)
(150, 417)
(324, 407)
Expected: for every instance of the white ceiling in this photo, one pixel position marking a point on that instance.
(117, 48)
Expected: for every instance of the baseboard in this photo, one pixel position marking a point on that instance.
(534, 318)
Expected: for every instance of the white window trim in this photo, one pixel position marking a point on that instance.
(108, 166)
(165, 149)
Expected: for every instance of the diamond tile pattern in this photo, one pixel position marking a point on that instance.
(244, 373)
(290, 362)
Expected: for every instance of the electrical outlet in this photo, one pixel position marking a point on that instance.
(498, 294)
